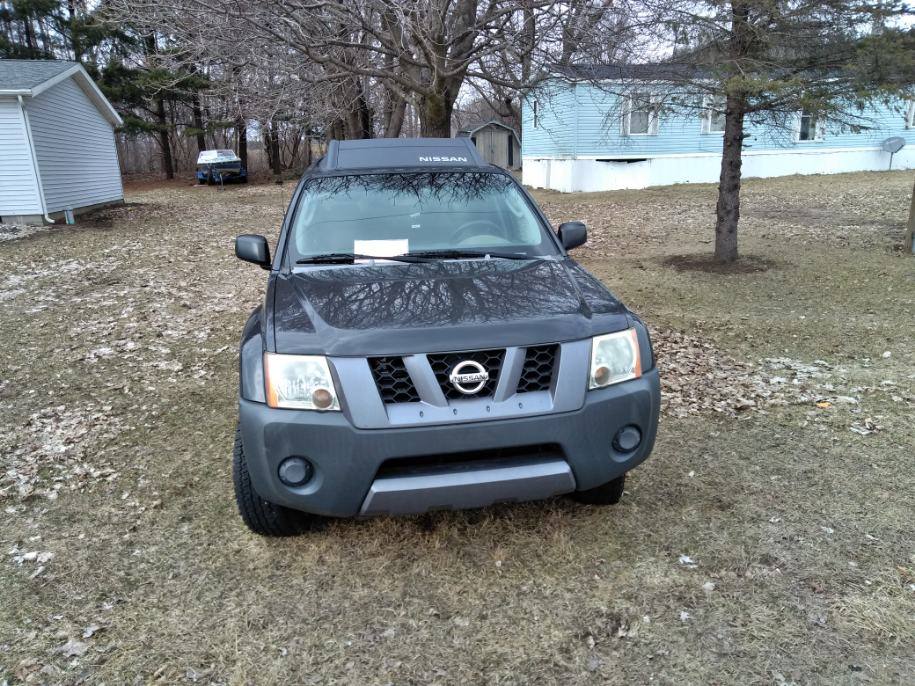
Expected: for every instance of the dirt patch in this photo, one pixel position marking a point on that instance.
(705, 262)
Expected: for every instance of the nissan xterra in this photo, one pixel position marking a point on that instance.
(425, 342)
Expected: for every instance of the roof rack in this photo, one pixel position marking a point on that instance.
(386, 153)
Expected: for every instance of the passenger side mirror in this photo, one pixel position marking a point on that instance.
(572, 234)
(254, 249)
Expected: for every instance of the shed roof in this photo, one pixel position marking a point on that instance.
(473, 128)
(30, 78)
(24, 75)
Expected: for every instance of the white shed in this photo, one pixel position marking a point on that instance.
(57, 149)
(496, 142)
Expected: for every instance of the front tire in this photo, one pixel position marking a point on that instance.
(605, 494)
(262, 516)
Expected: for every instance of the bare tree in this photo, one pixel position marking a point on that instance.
(385, 55)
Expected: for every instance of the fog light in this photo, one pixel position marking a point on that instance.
(295, 471)
(627, 439)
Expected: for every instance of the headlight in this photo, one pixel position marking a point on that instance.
(614, 358)
(299, 382)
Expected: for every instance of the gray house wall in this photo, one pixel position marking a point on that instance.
(75, 149)
(19, 196)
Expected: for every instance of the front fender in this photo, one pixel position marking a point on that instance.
(251, 358)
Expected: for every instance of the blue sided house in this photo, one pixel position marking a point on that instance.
(622, 128)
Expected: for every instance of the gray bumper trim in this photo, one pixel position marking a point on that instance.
(469, 486)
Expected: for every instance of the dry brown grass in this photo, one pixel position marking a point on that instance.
(117, 387)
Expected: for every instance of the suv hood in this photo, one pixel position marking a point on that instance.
(402, 308)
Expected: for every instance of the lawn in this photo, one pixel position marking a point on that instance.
(769, 540)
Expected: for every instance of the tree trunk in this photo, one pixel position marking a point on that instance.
(336, 131)
(359, 119)
(241, 131)
(29, 41)
(728, 209)
(168, 165)
(435, 115)
(198, 123)
(273, 152)
(394, 116)
(74, 32)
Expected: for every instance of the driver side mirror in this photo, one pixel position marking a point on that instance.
(254, 249)
(572, 234)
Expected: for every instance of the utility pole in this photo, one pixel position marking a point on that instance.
(910, 227)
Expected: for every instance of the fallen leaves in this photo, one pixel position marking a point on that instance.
(54, 448)
(698, 378)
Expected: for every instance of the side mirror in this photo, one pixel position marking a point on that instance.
(572, 234)
(254, 249)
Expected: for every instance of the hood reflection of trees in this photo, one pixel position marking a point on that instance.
(428, 294)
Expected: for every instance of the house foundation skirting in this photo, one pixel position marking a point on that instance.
(604, 174)
(58, 217)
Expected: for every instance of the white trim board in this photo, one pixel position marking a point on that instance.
(803, 150)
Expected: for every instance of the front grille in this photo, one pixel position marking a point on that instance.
(393, 381)
(443, 363)
(537, 373)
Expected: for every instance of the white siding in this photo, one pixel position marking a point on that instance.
(18, 187)
(74, 144)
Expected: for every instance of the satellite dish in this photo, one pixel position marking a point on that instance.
(892, 146)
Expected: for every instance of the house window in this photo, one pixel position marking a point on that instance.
(811, 126)
(713, 118)
(910, 116)
(640, 117)
(536, 114)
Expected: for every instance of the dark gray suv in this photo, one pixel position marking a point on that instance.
(425, 342)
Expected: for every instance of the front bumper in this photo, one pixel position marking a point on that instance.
(347, 460)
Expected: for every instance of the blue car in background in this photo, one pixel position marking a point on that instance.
(220, 166)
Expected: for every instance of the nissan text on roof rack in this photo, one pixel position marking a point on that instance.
(425, 342)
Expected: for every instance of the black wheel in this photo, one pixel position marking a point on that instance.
(262, 516)
(605, 494)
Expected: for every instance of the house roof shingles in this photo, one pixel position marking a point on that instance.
(28, 74)
(661, 71)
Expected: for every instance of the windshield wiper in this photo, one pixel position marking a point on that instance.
(470, 254)
(349, 258)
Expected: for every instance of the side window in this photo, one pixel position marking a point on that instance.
(536, 109)
(713, 115)
(811, 126)
(910, 115)
(640, 115)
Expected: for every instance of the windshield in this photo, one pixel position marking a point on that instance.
(393, 214)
